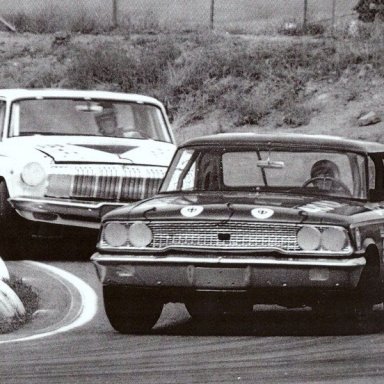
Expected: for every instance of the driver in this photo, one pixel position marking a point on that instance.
(324, 172)
(107, 123)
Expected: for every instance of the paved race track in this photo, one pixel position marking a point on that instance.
(274, 346)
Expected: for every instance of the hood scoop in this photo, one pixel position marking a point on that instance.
(114, 149)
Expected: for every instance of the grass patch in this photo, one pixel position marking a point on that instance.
(129, 67)
(29, 298)
(178, 14)
(40, 23)
(51, 21)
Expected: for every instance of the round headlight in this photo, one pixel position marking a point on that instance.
(309, 238)
(333, 239)
(115, 234)
(139, 235)
(33, 174)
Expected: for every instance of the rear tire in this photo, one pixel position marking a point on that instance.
(131, 311)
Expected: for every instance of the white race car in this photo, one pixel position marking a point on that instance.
(67, 157)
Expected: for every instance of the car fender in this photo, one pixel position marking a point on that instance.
(10, 171)
(371, 243)
(368, 246)
(368, 242)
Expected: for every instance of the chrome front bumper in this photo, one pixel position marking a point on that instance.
(219, 273)
(63, 211)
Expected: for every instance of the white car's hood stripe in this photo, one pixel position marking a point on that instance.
(156, 153)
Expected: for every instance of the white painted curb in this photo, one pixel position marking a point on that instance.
(10, 304)
(85, 313)
(4, 274)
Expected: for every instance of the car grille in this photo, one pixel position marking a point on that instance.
(236, 235)
(95, 182)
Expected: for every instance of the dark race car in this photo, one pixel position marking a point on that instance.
(245, 219)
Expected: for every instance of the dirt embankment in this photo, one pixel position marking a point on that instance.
(335, 104)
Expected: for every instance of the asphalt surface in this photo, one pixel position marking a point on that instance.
(273, 346)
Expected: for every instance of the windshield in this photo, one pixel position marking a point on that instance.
(84, 117)
(270, 170)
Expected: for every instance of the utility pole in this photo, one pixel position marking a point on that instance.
(333, 16)
(212, 16)
(305, 14)
(114, 13)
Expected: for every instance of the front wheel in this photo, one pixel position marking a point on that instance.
(131, 311)
(358, 306)
(14, 232)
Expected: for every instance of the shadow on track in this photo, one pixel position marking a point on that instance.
(278, 322)
(73, 248)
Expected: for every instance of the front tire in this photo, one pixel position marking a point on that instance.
(358, 306)
(14, 232)
(369, 289)
(131, 311)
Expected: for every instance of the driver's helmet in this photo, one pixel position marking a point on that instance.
(107, 121)
(325, 168)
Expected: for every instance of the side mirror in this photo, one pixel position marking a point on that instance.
(376, 195)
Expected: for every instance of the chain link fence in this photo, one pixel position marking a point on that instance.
(250, 16)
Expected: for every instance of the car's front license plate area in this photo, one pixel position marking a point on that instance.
(221, 277)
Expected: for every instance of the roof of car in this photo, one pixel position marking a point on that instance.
(287, 140)
(22, 93)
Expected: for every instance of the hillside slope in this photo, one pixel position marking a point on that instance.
(203, 92)
(337, 108)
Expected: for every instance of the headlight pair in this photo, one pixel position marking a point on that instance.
(116, 234)
(329, 239)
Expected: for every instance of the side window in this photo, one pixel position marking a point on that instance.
(2, 116)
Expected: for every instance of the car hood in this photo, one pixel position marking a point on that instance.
(68, 149)
(246, 207)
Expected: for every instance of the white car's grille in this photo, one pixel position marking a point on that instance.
(236, 235)
(96, 182)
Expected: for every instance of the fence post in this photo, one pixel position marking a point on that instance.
(333, 16)
(114, 13)
(305, 14)
(212, 16)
